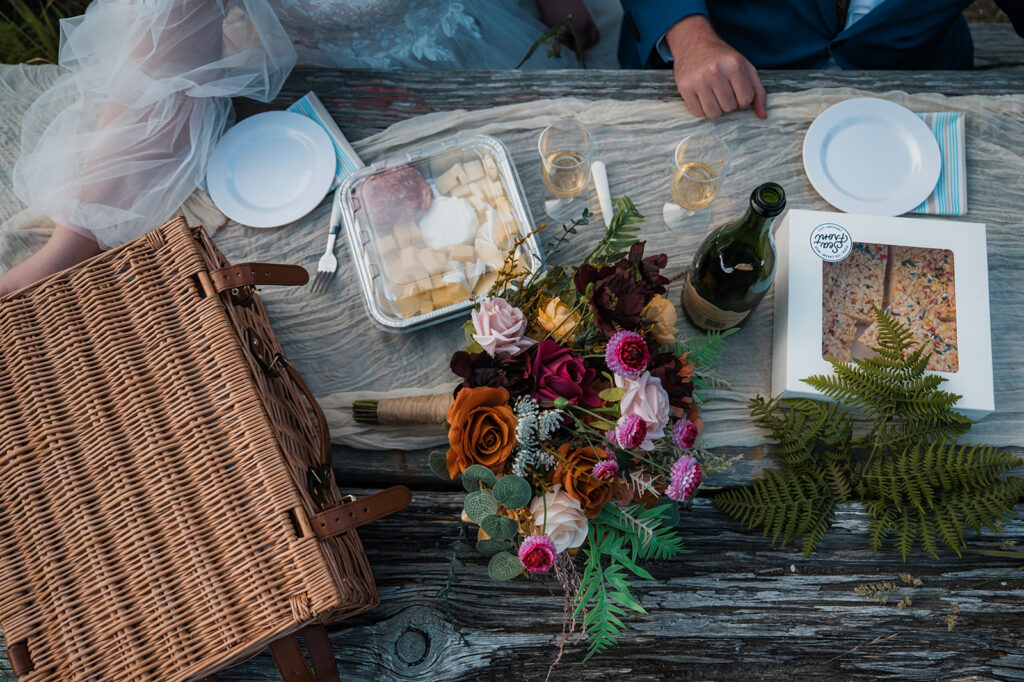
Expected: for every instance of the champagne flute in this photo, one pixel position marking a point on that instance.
(701, 161)
(565, 149)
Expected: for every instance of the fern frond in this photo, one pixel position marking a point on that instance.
(706, 350)
(787, 505)
(623, 231)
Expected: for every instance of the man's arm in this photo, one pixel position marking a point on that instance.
(712, 77)
(1015, 12)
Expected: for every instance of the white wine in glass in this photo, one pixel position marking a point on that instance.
(565, 174)
(565, 149)
(694, 186)
(701, 161)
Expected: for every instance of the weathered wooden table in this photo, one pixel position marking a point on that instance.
(736, 608)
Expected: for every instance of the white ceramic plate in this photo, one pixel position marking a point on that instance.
(871, 156)
(271, 169)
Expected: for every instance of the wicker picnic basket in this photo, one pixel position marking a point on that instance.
(167, 507)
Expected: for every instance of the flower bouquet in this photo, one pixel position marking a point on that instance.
(575, 426)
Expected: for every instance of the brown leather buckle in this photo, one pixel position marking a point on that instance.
(350, 515)
(270, 362)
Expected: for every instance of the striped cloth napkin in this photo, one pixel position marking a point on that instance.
(950, 195)
(349, 162)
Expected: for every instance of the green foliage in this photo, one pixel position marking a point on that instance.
(480, 505)
(478, 477)
(499, 527)
(490, 546)
(704, 351)
(613, 548)
(513, 492)
(504, 566)
(921, 488)
(30, 29)
(623, 231)
(438, 462)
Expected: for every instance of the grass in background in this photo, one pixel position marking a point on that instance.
(30, 29)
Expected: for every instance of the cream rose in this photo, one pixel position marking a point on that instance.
(645, 398)
(565, 523)
(559, 319)
(500, 328)
(662, 314)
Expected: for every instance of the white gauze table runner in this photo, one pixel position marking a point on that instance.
(344, 357)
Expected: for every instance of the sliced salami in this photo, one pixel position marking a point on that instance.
(395, 196)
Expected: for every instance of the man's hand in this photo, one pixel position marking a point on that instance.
(711, 76)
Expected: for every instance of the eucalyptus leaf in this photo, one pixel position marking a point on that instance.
(490, 546)
(475, 475)
(504, 566)
(439, 464)
(480, 505)
(500, 527)
(513, 492)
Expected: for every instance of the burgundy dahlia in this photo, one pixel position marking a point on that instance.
(621, 291)
(667, 367)
(503, 370)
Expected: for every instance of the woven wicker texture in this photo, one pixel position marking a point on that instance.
(153, 503)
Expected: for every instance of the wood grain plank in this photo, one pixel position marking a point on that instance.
(735, 609)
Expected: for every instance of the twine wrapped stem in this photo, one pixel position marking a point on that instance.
(417, 410)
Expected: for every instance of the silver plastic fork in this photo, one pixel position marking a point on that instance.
(328, 264)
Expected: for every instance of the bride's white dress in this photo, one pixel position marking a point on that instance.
(117, 144)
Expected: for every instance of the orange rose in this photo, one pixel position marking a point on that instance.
(574, 474)
(483, 430)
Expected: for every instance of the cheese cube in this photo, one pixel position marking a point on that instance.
(478, 190)
(440, 164)
(433, 261)
(461, 191)
(446, 181)
(489, 253)
(407, 306)
(474, 170)
(407, 234)
(478, 204)
(502, 204)
(491, 167)
(462, 253)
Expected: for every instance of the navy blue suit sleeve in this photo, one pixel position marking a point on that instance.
(1014, 10)
(653, 18)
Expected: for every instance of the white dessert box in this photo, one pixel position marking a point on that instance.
(931, 274)
(429, 230)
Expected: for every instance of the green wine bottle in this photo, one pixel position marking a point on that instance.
(735, 265)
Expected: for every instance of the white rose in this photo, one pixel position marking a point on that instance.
(645, 398)
(566, 525)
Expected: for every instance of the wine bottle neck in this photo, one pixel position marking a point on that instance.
(752, 223)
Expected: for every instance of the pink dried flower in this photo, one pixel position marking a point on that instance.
(606, 469)
(610, 436)
(627, 353)
(537, 553)
(684, 434)
(685, 478)
(631, 431)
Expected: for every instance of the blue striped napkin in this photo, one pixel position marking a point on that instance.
(950, 195)
(348, 161)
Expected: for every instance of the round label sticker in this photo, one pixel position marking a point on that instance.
(831, 242)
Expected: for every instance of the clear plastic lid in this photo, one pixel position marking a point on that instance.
(430, 231)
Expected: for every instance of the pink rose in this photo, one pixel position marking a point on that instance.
(557, 373)
(500, 328)
(646, 399)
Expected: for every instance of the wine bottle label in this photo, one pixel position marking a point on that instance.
(706, 315)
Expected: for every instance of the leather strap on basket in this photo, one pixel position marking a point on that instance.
(254, 274)
(292, 664)
(344, 517)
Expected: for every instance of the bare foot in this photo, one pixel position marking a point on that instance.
(64, 249)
